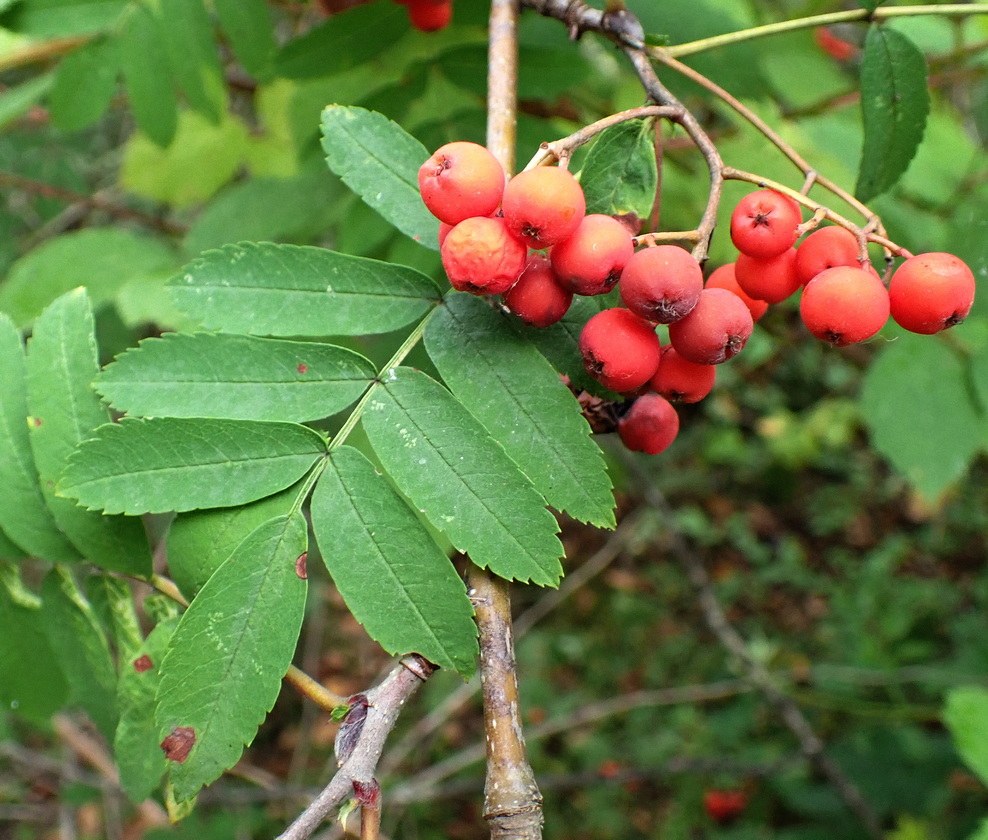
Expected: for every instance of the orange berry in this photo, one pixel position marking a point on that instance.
(650, 425)
(715, 330)
(543, 206)
(538, 298)
(826, 247)
(481, 257)
(661, 284)
(724, 278)
(461, 180)
(764, 224)
(771, 280)
(681, 380)
(844, 305)
(619, 349)
(931, 292)
(590, 261)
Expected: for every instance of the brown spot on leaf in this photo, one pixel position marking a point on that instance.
(35, 421)
(143, 663)
(303, 367)
(300, 565)
(179, 743)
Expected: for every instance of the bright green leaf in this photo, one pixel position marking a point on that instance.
(113, 600)
(289, 290)
(462, 480)
(389, 570)
(191, 49)
(145, 71)
(85, 82)
(559, 343)
(620, 174)
(226, 660)
(247, 24)
(966, 716)
(57, 18)
(9, 550)
(170, 463)
(234, 376)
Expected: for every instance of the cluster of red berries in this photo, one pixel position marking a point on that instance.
(428, 15)
(529, 239)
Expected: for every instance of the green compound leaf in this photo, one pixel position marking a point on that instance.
(895, 103)
(113, 602)
(620, 174)
(389, 570)
(24, 516)
(461, 479)
(247, 24)
(226, 660)
(192, 55)
(966, 716)
(234, 376)
(291, 290)
(380, 161)
(85, 82)
(146, 74)
(172, 463)
(64, 410)
(518, 396)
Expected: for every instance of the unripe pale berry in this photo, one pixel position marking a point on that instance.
(461, 180)
(661, 284)
(764, 224)
(724, 278)
(590, 261)
(543, 206)
(931, 292)
(681, 380)
(826, 247)
(620, 350)
(481, 257)
(844, 305)
(716, 330)
(650, 425)
(771, 280)
(537, 298)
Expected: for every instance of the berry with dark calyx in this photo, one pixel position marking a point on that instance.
(771, 280)
(662, 283)
(543, 206)
(724, 277)
(430, 15)
(724, 806)
(826, 247)
(844, 305)
(931, 292)
(481, 257)
(590, 261)
(681, 380)
(650, 425)
(619, 349)
(716, 330)
(538, 298)
(461, 180)
(764, 224)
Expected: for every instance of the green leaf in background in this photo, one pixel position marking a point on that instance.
(620, 174)
(9, 550)
(171, 463)
(920, 413)
(192, 54)
(24, 516)
(226, 660)
(139, 759)
(17, 101)
(85, 82)
(113, 601)
(145, 71)
(894, 105)
(518, 396)
(966, 716)
(64, 410)
(291, 290)
(234, 376)
(870, 5)
(103, 260)
(56, 18)
(247, 24)
(200, 540)
(389, 570)
(461, 479)
(379, 161)
(80, 648)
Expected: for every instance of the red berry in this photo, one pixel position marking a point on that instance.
(681, 380)
(931, 292)
(537, 298)
(723, 806)
(444, 228)
(590, 261)
(844, 305)
(764, 224)
(481, 257)
(430, 15)
(826, 247)
(724, 278)
(649, 425)
(619, 349)
(543, 206)
(716, 330)
(661, 284)
(461, 180)
(771, 280)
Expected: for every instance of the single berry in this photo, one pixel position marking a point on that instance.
(680, 380)
(931, 292)
(537, 298)
(619, 349)
(649, 425)
(724, 278)
(590, 261)
(716, 330)
(543, 206)
(724, 806)
(481, 257)
(764, 224)
(844, 305)
(826, 247)
(661, 284)
(430, 15)
(461, 180)
(771, 280)
(444, 228)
